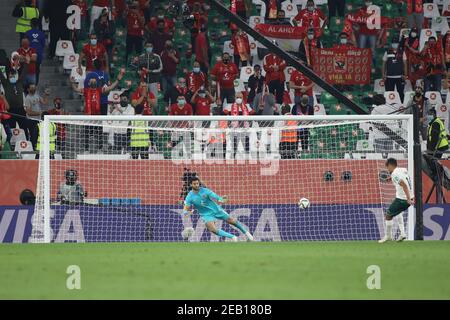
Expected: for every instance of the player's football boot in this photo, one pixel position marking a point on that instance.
(401, 238)
(385, 239)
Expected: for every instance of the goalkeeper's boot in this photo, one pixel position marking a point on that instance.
(401, 238)
(385, 239)
(234, 239)
(249, 237)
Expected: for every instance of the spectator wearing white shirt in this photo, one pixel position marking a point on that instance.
(121, 133)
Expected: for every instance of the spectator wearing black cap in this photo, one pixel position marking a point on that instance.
(394, 69)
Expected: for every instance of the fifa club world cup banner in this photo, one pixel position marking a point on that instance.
(287, 37)
(165, 223)
(342, 65)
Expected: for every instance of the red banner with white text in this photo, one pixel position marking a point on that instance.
(345, 66)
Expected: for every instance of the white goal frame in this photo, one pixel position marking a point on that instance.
(45, 138)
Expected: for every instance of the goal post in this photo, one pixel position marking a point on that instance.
(124, 178)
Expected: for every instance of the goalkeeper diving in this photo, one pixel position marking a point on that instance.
(208, 205)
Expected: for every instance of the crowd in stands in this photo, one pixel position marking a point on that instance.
(163, 62)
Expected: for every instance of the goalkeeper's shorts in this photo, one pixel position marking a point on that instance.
(219, 215)
(397, 207)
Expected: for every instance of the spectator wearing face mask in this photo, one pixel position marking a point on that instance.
(414, 9)
(344, 42)
(150, 67)
(307, 46)
(311, 17)
(202, 101)
(394, 69)
(433, 56)
(92, 106)
(120, 136)
(202, 49)
(58, 110)
(180, 89)
(181, 107)
(152, 25)
(135, 30)
(415, 65)
(195, 79)
(255, 83)
(142, 96)
(93, 51)
(240, 108)
(224, 73)
(102, 80)
(421, 102)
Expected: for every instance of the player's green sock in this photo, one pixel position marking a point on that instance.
(222, 233)
(240, 227)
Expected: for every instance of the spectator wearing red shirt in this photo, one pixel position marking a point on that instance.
(224, 73)
(202, 49)
(144, 6)
(272, 9)
(26, 51)
(302, 85)
(239, 7)
(200, 22)
(152, 25)
(181, 108)
(433, 56)
(96, 10)
(241, 47)
(159, 37)
(142, 96)
(170, 59)
(93, 51)
(92, 101)
(274, 67)
(135, 30)
(311, 17)
(367, 34)
(195, 79)
(415, 64)
(414, 10)
(202, 100)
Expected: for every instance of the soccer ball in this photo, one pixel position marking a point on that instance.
(303, 203)
(187, 232)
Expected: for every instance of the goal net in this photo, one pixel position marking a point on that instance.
(117, 178)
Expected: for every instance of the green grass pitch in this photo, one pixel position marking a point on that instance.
(286, 270)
